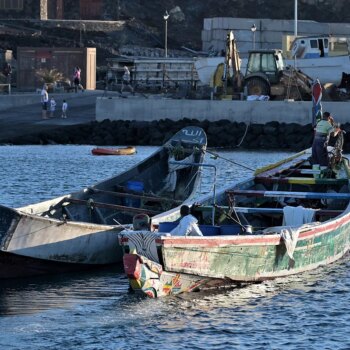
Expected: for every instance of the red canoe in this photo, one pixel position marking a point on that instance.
(113, 151)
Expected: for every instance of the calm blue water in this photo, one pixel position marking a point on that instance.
(93, 310)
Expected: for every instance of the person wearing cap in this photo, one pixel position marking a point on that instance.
(324, 128)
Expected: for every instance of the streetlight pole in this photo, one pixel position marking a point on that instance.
(82, 26)
(253, 29)
(295, 18)
(166, 17)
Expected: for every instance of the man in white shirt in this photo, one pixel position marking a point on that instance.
(188, 225)
(126, 80)
(44, 101)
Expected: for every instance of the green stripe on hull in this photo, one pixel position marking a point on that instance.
(257, 262)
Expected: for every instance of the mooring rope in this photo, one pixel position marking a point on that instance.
(244, 135)
(228, 160)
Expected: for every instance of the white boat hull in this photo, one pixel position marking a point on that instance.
(68, 242)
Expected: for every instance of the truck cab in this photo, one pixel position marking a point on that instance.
(267, 63)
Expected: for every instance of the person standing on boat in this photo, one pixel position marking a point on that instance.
(324, 128)
(188, 225)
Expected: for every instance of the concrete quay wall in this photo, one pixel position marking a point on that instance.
(10, 101)
(255, 112)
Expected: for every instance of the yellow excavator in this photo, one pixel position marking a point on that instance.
(266, 75)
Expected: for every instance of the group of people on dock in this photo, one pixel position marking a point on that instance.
(49, 105)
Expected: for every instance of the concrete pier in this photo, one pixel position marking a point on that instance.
(256, 112)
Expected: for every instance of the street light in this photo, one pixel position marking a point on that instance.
(82, 26)
(166, 17)
(253, 29)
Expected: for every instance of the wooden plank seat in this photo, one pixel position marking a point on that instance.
(110, 206)
(304, 171)
(260, 210)
(301, 181)
(133, 195)
(276, 194)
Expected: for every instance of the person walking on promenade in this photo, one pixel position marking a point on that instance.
(7, 71)
(52, 107)
(44, 101)
(64, 109)
(324, 128)
(77, 79)
(126, 80)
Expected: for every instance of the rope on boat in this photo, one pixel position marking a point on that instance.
(244, 135)
(228, 160)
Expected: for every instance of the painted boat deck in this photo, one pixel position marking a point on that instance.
(300, 180)
(260, 210)
(272, 194)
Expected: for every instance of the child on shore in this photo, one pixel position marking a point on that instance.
(64, 109)
(52, 107)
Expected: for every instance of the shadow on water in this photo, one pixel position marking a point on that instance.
(35, 294)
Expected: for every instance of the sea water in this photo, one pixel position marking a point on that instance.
(94, 310)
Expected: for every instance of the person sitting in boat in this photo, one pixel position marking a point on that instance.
(141, 222)
(324, 128)
(188, 225)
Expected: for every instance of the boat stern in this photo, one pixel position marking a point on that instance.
(143, 274)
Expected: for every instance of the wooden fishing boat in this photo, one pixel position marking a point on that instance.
(286, 219)
(124, 151)
(80, 229)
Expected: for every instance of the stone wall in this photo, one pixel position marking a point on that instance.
(224, 134)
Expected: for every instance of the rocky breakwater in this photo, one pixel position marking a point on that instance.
(223, 133)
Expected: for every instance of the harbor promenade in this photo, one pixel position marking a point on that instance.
(155, 117)
(20, 114)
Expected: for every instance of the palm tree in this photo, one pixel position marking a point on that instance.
(49, 76)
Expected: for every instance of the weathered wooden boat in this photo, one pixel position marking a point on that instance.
(80, 229)
(286, 219)
(123, 151)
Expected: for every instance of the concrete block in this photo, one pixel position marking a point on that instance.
(245, 23)
(269, 36)
(206, 35)
(207, 23)
(339, 29)
(219, 34)
(277, 25)
(312, 27)
(219, 45)
(217, 23)
(225, 23)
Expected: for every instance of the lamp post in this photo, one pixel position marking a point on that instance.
(166, 17)
(81, 37)
(253, 29)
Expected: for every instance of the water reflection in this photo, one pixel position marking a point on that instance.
(32, 295)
